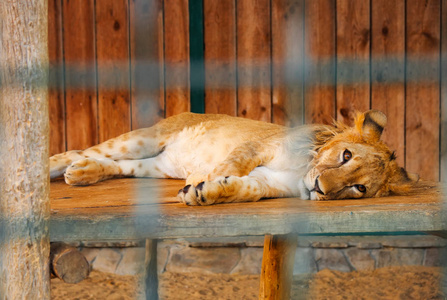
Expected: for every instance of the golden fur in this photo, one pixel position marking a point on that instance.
(228, 159)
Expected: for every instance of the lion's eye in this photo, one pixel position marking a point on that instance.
(346, 155)
(361, 188)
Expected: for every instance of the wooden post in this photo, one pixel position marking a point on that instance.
(444, 122)
(24, 179)
(151, 279)
(277, 266)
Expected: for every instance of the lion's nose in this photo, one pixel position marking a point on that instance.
(317, 187)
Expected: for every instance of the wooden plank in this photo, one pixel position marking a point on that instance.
(112, 44)
(422, 89)
(146, 43)
(388, 70)
(353, 42)
(56, 99)
(123, 193)
(288, 62)
(443, 134)
(113, 210)
(220, 56)
(320, 53)
(253, 59)
(176, 41)
(277, 266)
(80, 73)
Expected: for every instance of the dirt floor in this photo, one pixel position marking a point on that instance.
(385, 283)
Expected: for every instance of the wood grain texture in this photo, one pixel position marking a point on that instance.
(320, 52)
(112, 44)
(147, 62)
(353, 42)
(68, 263)
(24, 131)
(443, 134)
(220, 56)
(80, 74)
(288, 62)
(114, 209)
(388, 70)
(253, 59)
(277, 266)
(330, 54)
(56, 99)
(422, 89)
(176, 43)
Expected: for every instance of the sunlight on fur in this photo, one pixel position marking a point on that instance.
(228, 159)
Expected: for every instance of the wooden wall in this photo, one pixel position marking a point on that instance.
(124, 64)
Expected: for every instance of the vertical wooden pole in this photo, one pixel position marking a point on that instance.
(176, 56)
(112, 53)
(277, 266)
(353, 53)
(56, 99)
(151, 279)
(24, 179)
(146, 55)
(253, 48)
(220, 56)
(81, 103)
(443, 135)
(388, 70)
(287, 62)
(320, 51)
(423, 34)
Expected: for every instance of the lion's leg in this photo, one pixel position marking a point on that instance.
(60, 162)
(261, 183)
(89, 170)
(240, 162)
(138, 144)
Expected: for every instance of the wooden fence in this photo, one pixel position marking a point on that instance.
(124, 64)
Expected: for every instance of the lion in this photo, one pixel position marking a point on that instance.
(230, 159)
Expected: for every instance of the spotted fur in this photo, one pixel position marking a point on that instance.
(228, 159)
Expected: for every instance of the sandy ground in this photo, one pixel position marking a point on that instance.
(385, 283)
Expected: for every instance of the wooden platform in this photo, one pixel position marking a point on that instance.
(129, 209)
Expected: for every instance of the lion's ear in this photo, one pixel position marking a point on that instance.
(402, 182)
(370, 124)
(413, 177)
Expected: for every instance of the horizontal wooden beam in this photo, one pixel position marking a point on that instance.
(128, 209)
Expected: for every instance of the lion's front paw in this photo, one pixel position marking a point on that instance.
(84, 172)
(60, 162)
(205, 193)
(193, 195)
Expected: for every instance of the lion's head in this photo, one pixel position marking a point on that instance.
(354, 163)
